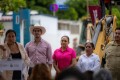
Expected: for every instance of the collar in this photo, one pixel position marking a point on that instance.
(87, 56)
(67, 49)
(41, 40)
(115, 44)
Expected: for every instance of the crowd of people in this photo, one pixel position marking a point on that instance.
(38, 59)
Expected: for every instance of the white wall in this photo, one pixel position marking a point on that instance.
(53, 35)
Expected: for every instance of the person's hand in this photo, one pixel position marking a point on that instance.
(58, 72)
(2, 47)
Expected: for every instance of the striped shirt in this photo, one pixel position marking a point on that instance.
(40, 53)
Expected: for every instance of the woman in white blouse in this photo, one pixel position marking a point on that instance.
(89, 60)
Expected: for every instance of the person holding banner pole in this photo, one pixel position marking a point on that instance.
(14, 50)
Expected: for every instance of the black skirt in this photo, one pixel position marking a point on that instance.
(17, 74)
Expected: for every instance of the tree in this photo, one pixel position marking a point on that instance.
(12, 5)
(69, 14)
(40, 5)
(76, 9)
(116, 11)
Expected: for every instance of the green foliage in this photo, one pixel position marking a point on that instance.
(40, 5)
(116, 12)
(77, 9)
(70, 14)
(93, 2)
(1, 26)
(40, 9)
(12, 5)
(30, 3)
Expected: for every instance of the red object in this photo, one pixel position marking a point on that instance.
(95, 12)
(107, 1)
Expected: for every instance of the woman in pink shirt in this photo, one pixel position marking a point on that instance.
(64, 57)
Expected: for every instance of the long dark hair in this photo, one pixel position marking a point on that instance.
(90, 44)
(66, 37)
(10, 30)
(7, 32)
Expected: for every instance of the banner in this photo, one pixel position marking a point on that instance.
(95, 12)
(11, 65)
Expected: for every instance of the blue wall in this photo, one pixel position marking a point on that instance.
(16, 25)
(23, 14)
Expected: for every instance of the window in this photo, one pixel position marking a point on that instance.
(62, 26)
